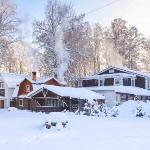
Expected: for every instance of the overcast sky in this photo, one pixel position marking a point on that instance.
(136, 12)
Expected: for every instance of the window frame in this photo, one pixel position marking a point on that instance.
(101, 82)
(54, 103)
(27, 88)
(132, 82)
(2, 85)
(148, 84)
(119, 79)
(21, 104)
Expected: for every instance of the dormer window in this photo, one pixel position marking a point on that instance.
(1, 85)
(27, 88)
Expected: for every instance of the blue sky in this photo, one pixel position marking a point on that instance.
(136, 12)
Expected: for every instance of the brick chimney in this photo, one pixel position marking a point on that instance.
(33, 75)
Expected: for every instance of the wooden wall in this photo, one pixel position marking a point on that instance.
(1, 103)
(22, 87)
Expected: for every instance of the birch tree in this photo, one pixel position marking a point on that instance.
(128, 41)
(8, 32)
(46, 32)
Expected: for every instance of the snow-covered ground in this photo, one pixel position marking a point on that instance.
(23, 130)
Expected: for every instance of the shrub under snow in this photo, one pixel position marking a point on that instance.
(95, 109)
(56, 120)
(131, 109)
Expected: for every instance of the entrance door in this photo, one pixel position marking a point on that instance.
(1, 103)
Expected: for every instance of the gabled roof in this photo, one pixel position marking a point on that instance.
(12, 79)
(80, 93)
(126, 70)
(45, 79)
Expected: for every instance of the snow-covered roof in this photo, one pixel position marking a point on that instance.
(15, 93)
(127, 75)
(127, 70)
(72, 92)
(45, 79)
(122, 89)
(12, 79)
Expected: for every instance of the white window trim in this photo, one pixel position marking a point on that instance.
(115, 81)
(133, 80)
(2, 83)
(102, 82)
(148, 83)
(27, 88)
(22, 102)
(80, 83)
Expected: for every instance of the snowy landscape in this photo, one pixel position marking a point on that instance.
(26, 130)
(74, 75)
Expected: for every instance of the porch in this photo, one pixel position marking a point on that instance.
(56, 104)
(46, 109)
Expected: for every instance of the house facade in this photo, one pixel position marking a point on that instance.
(49, 95)
(8, 83)
(118, 84)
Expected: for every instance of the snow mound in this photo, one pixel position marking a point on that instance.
(131, 109)
(13, 109)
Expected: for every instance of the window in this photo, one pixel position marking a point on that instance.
(21, 102)
(101, 82)
(54, 103)
(148, 84)
(117, 81)
(127, 81)
(1, 85)
(124, 97)
(109, 81)
(111, 71)
(79, 83)
(90, 82)
(27, 88)
(132, 82)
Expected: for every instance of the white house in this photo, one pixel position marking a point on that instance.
(8, 82)
(118, 84)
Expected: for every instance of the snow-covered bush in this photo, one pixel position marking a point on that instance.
(95, 109)
(114, 112)
(131, 108)
(57, 120)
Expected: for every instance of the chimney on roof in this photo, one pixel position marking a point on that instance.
(33, 75)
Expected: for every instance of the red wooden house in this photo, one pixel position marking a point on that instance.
(48, 94)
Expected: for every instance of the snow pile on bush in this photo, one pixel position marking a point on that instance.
(12, 109)
(95, 109)
(56, 120)
(131, 109)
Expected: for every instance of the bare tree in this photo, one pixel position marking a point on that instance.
(77, 42)
(46, 34)
(128, 41)
(8, 28)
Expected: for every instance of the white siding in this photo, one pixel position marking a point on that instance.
(8, 95)
(110, 97)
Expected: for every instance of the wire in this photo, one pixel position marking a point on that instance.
(106, 5)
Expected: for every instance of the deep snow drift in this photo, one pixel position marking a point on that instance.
(23, 130)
